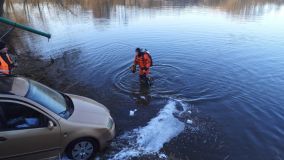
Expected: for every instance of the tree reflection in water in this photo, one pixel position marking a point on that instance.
(21, 10)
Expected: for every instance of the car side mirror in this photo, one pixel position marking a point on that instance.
(50, 125)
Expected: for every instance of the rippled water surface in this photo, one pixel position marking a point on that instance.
(218, 74)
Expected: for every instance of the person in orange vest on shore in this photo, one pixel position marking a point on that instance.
(144, 61)
(6, 63)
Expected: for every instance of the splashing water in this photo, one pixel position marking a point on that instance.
(151, 138)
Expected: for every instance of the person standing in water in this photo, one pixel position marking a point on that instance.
(144, 60)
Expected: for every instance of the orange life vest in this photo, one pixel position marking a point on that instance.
(4, 66)
(144, 61)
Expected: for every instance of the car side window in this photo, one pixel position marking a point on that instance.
(14, 116)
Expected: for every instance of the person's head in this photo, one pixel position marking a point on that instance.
(138, 50)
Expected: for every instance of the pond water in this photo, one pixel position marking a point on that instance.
(218, 71)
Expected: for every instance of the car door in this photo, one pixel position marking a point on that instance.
(27, 132)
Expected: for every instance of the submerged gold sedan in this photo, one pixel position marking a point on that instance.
(37, 122)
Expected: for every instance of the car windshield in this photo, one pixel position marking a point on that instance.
(47, 97)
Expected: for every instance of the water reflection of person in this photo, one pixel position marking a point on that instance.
(143, 97)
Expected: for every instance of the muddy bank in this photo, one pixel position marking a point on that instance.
(54, 72)
(47, 71)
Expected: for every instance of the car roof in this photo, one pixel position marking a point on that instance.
(14, 85)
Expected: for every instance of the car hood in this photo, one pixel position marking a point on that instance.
(88, 111)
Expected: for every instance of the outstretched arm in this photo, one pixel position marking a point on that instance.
(135, 60)
(133, 67)
(7, 58)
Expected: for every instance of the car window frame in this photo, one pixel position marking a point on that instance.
(31, 106)
(34, 104)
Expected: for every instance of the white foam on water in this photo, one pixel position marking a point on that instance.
(151, 138)
(132, 112)
(189, 121)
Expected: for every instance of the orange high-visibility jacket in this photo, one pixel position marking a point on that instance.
(4, 66)
(144, 62)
